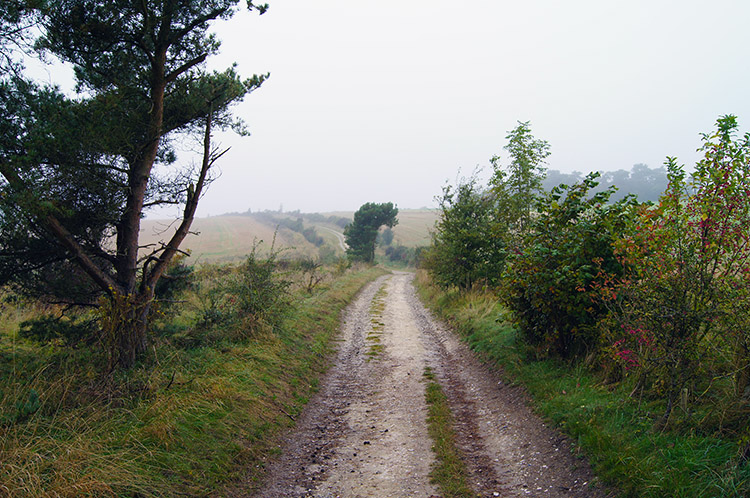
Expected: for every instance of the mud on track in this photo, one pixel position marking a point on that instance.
(365, 435)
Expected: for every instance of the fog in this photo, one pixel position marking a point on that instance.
(377, 101)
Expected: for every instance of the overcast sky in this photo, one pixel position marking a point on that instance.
(386, 101)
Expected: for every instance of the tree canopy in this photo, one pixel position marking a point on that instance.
(468, 244)
(361, 234)
(646, 183)
(517, 185)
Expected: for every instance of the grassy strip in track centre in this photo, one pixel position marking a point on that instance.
(374, 336)
(449, 471)
(612, 429)
(185, 422)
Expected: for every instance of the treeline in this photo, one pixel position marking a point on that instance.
(648, 294)
(293, 224)
(340, 221)
(645, 183)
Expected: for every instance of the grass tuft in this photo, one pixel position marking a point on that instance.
(449, 471)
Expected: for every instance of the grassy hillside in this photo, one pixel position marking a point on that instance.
(201, 411)
(414, 226)
(231, 237)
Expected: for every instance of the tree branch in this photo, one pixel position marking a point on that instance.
(53, 225)
(191, 63)
(177, 35)
(160, 202)
(150, 278)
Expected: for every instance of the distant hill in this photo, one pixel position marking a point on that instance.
(231, 237)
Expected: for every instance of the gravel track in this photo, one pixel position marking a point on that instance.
(364, 433)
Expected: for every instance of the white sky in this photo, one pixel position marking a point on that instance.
(386, 101)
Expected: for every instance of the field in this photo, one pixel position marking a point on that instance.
(230, 238)
(414, 227)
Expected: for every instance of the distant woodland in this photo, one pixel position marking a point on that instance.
(646, 183)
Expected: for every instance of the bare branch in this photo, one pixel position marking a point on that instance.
(160, 202)
(194, 194)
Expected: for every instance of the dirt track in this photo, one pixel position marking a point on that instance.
(365, 433)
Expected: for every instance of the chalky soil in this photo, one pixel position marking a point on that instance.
(365, 434)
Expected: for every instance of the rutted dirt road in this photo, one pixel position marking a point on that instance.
(365, 433)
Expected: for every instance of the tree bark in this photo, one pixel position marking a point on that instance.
(128, 230)
(124, 321)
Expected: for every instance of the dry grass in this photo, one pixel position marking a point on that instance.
(414, 226)
(185, 422)
(222, 239)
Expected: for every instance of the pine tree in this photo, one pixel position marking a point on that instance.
(79, 173)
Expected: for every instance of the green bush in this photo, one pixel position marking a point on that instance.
(311, 235)
(258, 293)
(400, 254)
(178, 278)
(551, 282)
(385, 237)
(468, 246)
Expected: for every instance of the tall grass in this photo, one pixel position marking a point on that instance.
(612, 428)
(190, 419)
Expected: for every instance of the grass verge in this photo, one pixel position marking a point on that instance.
(449, 471)
(187, 421)
(612, 429)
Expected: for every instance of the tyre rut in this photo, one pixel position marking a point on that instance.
(364, 433)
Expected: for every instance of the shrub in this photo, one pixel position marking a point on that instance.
(385, 237)
(400, 254)
(312, 275)
(178, 278)
(551, 280)
(311, 235)
(468, 245)
(339, 221)
(683, 311)
(258, 294)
